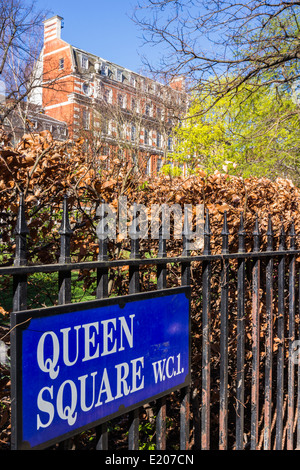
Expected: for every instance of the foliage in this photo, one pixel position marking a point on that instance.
(256, 133)
(46, 170)
(167, 169)
(220, 45)
(20, 46)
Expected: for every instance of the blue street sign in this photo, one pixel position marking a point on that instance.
(82, 364)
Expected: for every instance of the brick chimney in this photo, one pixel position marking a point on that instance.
(178, 83)
(52, 28)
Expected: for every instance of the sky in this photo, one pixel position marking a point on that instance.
(103, 28)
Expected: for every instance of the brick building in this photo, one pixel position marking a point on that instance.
(119, 112)
(26, 119)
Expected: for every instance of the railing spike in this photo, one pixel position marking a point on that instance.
(134, 233)
(241, 234)
(21, 225)
(256, 231)
(256, 235)
(225, 234)
(282, 237)
(207, 224)
(187, 234)
(225, 230)
(207, 234)
(65, 228)
(270, 234)
(292, 235)
(241, 228)
(161, 244)
(65, 235)
(270, 226)
(21, 231)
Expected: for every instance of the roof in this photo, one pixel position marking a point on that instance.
(111, 67)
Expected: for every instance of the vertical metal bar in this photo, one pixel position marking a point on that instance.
(134, 287)
(161, 424)
(206, 298)
(195, 405)
(291, 366)
(268, 341)
(102, 273)
(223, 419)
(134, 276)
(161, 404)
(64, 277)
(280, 351)
(161, 268)
(185, 418)
(240, 376)
(133, 436)
(101, 293)
(19, 303)
(102, 437)
(20, 281)
(255, 339)
(298, 372)
(185, 394)
(186, 267)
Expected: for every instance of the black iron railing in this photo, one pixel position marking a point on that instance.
(273, 413)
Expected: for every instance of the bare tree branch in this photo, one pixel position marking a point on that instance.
(222, 44)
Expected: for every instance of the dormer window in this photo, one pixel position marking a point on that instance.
(84, 62)
(48, 127)
(132, 81)
(104, 70)
(119, 75)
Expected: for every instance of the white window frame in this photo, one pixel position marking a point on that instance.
(159, 164)
(104, 69)
(48, 127)
(146, 134)
(87, 89)
(84, 62)
(148, 166)
(133, 133)
(119, 75)
(111, 127)
(158, 139)
(108, 95)
(132, 81)
(86, 119)
(122, 100)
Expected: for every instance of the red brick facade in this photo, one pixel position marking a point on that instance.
(117, 107)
